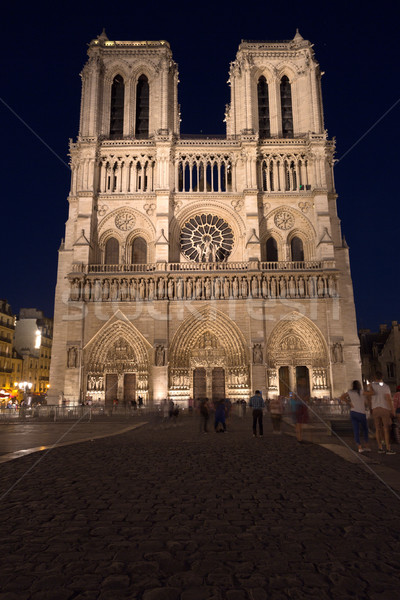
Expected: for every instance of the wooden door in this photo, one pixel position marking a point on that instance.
(129, 387)
(218, 383)
(111, 389)
(199, 383)
(284, 384)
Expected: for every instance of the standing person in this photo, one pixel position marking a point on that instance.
(276, 411)
(204, 414)
(220, 417)
(382, 411)
(299, 408)
(356, 398)
(257, 404)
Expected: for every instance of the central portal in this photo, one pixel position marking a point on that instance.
(209, 383)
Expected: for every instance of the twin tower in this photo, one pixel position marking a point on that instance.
(202, 266)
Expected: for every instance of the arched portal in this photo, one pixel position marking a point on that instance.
(116, 365)
(296, 351)
(208, 357)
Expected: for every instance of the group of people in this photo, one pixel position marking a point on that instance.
(378, 399)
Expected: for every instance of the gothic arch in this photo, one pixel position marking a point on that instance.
(296, 340)
(230, 338)
(302, 228)
(141, 221)
(97, 350)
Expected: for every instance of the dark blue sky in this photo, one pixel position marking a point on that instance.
(44, 49)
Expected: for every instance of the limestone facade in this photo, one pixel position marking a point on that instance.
(203, 265)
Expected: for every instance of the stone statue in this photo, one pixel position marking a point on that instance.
(171, 289)
(208, 288)
(106, 289)
(226, 288)
(151, 289)
(244, 287)
(301, 287)
(114, 290)
(199, 287)
(337, 352)
(124, 290)
(282, 286)
(235, 287)
(72, 360)
(273, 287)
(97, 290)
(75, 290)
(254, 287)
(217, 287)
(189, 288)
(161, 288)
(320, 287)
(179, 289)
(292, 287)
(86, 292)
(141, 289)
(257, 354)
(160, 356)
(265, 287)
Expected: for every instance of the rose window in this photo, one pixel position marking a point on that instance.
(206, 238)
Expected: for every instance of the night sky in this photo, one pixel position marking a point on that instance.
(44, 49)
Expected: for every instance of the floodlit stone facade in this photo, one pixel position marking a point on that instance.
(203, 265)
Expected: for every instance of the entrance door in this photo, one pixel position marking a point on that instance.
(199, 383)
(129, 387)
(284, 384)
(111, 389)
(303, 382)
(218, 383)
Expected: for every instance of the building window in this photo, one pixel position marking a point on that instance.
(142, 107)
(111, 254)
(272, 250)
(263, 108)
(297, 250)
(286, 108)
(117, 107)
(139, 251)
(391, 370)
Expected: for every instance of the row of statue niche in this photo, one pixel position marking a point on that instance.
(238, 377)
(319, 379)
(168, 288)
(95, 383)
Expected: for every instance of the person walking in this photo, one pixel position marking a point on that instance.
(357, 399)
(257, 404)
(299, 407)
(276, 411)
(220, 417)
(382, 412)
(204, 414)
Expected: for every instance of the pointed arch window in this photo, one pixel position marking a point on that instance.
(272, 250)
(142, 107)
(264, 129)
(117, 107)
(139, 251)
(297, 250)
(286, 108)
(111, 254)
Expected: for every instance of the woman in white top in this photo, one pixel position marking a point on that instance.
(356, 398)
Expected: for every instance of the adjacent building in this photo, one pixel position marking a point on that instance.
(7, 326)
(32, 342)
(201, 265)
(380, 351)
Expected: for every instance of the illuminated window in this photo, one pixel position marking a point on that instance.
(142, 107)
(272, 250)
(286, 108)
(297, 251)
(111, 254)
(263, 108)
(117, 107)
(139, 251)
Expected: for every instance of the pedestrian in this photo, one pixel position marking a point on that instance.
(357, 399)
(140, 401)
(204, 414)
(171, 409)
(134, 404)
(382, 412)
(257, 404)
(299, 407)
(276, 411)
(220, 417)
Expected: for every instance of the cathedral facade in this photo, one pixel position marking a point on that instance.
(203, 265)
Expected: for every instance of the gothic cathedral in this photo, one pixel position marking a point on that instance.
(198, 265)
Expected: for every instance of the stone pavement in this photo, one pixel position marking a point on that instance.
(168, 513)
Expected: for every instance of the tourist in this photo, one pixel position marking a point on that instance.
(276, 410)
(299, 407)
(382, 411)
(220, 422)
(356, 398)
(257, 404)
(204, 414)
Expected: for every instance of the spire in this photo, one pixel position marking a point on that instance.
(298, 37)
(103, 36)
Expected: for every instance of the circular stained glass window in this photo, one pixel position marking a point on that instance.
(206, 238)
